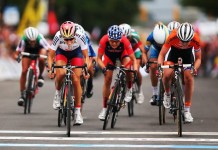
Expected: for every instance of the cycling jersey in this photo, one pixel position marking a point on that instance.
(81, 32)
(135, 42)
(90, 48)
(110, 54)
(26, 47)
(152, 46)
(176, 49)
(72, 52)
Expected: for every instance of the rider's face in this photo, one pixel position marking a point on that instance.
(32, 43)
(114, 43)
(69, 41)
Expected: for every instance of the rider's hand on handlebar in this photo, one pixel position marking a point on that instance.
(51, 74)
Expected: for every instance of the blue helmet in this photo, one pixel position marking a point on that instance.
(115, 32)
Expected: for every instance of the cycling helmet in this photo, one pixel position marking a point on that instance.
(114, 32)
(173, 25)
(126, 29)
(79, 29)
(31, 33)
(67, 29)
(185, 32)
(160, 33)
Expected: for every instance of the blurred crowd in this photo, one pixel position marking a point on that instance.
(209, 67)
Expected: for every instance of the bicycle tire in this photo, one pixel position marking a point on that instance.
(162, 116)
(27, 105)
(60, 117)
(131, 106)
(83, 86)
(110, 106)
(179, 96)
(69, 110)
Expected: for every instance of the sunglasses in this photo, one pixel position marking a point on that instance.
(69, 39)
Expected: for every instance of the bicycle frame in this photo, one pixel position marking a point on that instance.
(116, 98)
(32, 78)
(67, 102)
(177, 94)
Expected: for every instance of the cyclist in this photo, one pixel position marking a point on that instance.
(68, 46)
(173, 25)
(153, 45)
(113, 46)
(32, 42)
(139, 52)
(92, 57)
(184, 43)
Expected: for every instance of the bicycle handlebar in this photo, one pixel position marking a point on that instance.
(176, 65)
(70, 67)
(33, 55)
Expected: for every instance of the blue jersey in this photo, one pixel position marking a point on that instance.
(90, 49)
(152, 42)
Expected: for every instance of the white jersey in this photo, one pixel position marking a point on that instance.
(40, 43)
(58, 42)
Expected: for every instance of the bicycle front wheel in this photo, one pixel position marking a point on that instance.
(110, 106)
(69, 99)
(179, 111)
(29, 85)
(162, 117)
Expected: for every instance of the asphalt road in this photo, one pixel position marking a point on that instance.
(39, 129)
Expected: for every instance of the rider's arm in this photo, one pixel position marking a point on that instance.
(51, 56)
(162, 54)
(101, 48)
(86, 56)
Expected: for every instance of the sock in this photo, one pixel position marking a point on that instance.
(187, 108)
(155, 90)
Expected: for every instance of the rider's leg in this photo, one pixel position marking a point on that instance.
(189, 89)
(25, 65)
(41, 68)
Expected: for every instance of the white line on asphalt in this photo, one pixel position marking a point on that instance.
(110, 146)
(108, 139)
(104, 132)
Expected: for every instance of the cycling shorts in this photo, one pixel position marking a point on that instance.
(153, 52)
(75, 56)
(187, 55)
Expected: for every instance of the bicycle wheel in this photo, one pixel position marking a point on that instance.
(179, 102)
(83, 86)
(162, 117)
(61, 115)
(110, 106)
(131, 106)
(28, 98)
(69, 98)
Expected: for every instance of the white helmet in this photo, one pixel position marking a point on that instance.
(185, 32)
(126, 29)
(79, 29)
(173, 25)
(160, 33)
(31, 33)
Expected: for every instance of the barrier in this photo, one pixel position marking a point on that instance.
(9, 69)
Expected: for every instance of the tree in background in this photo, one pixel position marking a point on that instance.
(208, 6)
(100, 13)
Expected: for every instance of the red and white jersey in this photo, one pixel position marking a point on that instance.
(58, 42)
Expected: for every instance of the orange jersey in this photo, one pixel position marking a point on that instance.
(174, 41)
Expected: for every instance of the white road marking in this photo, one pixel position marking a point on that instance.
(108, 139)
(105, 132)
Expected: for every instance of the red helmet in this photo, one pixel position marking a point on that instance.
(67, 29)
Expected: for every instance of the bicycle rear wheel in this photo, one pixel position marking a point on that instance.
(131, 106)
